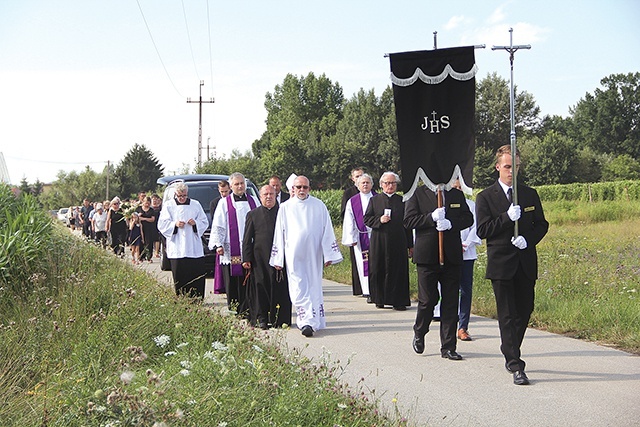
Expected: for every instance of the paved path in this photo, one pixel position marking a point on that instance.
(573, 383)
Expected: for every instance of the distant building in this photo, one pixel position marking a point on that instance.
(4, 172)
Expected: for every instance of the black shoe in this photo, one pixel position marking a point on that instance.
(369, 300)
(520, 378)
(379, 305)
(307, 331)
(418, 344)
(399, 307)
(451, 355)
(264, 325)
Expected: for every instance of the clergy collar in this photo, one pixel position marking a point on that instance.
(186, 201)
(242, 198)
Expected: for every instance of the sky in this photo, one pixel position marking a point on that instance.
(82, 81)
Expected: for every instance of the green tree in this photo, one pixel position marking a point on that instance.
(553, 158)
(620, 168)
(609, 120)
(138, 171)
(309, 109)
(243, 162)
(24, 187)
(493, 117)
(363, 138)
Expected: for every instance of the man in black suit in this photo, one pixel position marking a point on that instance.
(269, 300)
(512, 262)
(423, 214)
(276, 183)
(349, 192)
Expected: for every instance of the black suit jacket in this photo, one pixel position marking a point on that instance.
(494, 225)
(284, 196)
(417, 215)
(349, 192)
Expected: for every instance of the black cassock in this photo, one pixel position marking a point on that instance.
(269, 289)
(388, 257)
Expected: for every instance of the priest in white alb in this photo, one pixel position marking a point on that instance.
(183, 222)
(304, 241)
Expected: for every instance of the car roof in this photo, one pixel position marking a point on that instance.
(165, 180)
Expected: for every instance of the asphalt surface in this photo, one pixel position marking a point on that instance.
(573, 383)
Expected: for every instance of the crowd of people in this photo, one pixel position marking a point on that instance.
(118, 225)
(271, 251)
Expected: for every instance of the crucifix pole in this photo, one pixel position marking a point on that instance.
(512, 50)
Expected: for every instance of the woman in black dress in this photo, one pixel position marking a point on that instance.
(117, 227)
(148, 217)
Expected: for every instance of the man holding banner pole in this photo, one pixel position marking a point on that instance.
(430, 221)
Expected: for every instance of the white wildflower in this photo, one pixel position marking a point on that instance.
(209, 355)
(127, 376)
(217, 345)
(162, 340)
(222, 424)
(170, 353)
(182, 344)
(185, 372)
(342, 406)
(185, 364)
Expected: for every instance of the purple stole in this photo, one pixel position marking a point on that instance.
(234, 235)
(218, 282)
(356, 205)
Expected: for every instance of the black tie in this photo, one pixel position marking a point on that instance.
(509, 195)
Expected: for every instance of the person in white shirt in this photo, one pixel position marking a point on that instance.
(305, 241)
(469, 254)
(182, 222)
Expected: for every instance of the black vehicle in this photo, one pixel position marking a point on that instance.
(203, 188)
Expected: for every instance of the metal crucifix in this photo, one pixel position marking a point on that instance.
(512, 50)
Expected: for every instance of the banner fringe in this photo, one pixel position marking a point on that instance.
(434, 80)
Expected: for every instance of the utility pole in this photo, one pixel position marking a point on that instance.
(200, 102)
(512, 50)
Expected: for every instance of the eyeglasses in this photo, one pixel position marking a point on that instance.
(180, 196)
(301, 187)
(389, 182)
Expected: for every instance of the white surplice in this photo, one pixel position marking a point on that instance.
(351, 235)
(184, 243)
(303, 241)
(220, 225)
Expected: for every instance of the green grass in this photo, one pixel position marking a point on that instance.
(90, 341)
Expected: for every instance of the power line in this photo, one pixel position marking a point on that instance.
(156, 48)
(186, 24)
(55, 162)
(210, 50)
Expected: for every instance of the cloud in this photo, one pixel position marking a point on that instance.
(455, 22)
(495, 31)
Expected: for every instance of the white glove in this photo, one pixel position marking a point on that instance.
(443, 225)
(438, 214)
(519, 242)
(514, 212)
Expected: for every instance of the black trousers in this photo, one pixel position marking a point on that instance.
(514, 301)
(428, 277)
(237, 292)
(188, 276)
(356, 286)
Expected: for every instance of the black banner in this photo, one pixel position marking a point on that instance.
(434, 94)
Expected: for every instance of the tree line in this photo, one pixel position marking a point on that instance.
(312, 128)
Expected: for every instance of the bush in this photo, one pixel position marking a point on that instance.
(25, 231)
